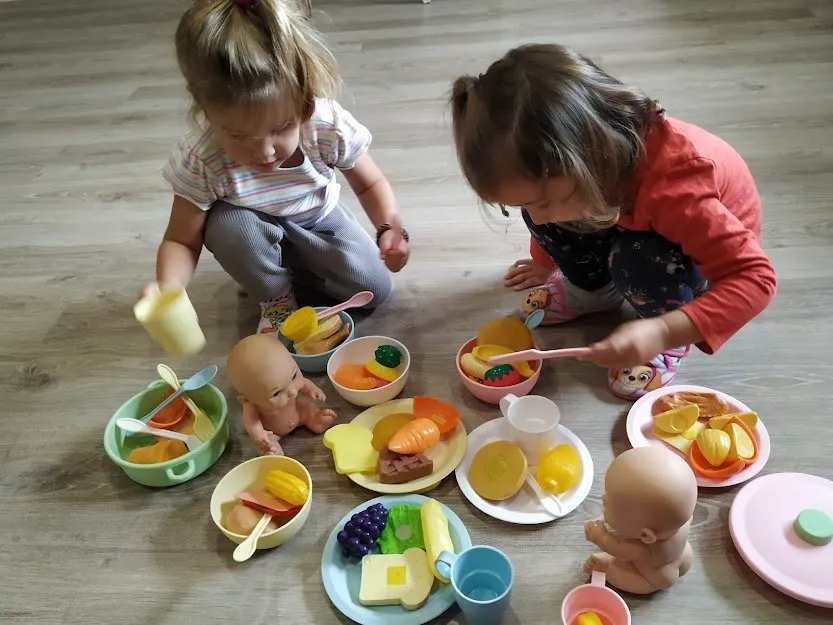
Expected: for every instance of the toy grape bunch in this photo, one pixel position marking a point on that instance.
(362, 531)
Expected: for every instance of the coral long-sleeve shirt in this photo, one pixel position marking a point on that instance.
(695, 190)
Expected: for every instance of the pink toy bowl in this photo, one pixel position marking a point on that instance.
(493, 394)
(595, 597)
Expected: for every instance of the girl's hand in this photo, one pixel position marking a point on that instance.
(394, 249)
(525, 274)
(149, 289)
(631, 344)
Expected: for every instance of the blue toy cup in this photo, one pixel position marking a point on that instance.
(482, 579)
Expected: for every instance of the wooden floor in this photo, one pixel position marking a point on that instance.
(90, 104)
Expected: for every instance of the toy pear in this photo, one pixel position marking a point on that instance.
(274, 393)
(649, 500)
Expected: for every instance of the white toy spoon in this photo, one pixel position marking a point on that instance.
(134, 425)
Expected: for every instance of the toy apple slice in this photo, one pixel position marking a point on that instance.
(443, 414)
(264, 502)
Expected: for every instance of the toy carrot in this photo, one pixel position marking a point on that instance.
(415, 437)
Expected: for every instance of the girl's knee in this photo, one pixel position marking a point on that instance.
(382, 289)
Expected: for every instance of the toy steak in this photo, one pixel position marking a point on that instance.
(271, 390)
(649, 499)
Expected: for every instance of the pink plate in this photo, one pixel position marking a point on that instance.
(761, 523)
(640, 427)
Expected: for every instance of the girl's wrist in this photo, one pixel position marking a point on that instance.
(385, 227)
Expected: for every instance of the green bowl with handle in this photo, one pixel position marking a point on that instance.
(118, 444)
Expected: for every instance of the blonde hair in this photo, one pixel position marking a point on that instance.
(234, 52)
(546, 111)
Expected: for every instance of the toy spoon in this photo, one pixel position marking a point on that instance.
(198, 380)
(244, 550)
(537, 354)
(136, 426)
(303, 322)
(551, 503)
(203, 426)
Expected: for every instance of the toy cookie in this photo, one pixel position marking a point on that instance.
(498, 470)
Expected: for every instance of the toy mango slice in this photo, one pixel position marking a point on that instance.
(352, 447)
(749, 418)
(442, 413)
(415, 437)
(484, 352)
(677, 420)
(435, 534)
(684, 441)
(714, 445)
(507, 331)
(396, 579)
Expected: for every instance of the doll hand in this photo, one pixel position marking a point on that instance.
(394, 250)
(631, 344)
(268, 445)
(525, 274)
(594, 531)
(318, 394)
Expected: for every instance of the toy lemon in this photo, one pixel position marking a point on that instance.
(300, 324)
(559, 470)
(381, 371)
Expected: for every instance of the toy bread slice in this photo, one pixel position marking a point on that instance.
(352, 447)
(309, 348)
(396, 579)
(435, 534)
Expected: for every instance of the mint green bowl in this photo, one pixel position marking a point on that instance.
(118, 444)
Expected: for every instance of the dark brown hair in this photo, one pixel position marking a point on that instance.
(543, 111)
(251, 52)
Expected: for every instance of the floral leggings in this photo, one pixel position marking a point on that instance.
(652, 273)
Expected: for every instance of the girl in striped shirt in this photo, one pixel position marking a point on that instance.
(255, 182)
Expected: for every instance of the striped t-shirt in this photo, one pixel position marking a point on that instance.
(200, 171)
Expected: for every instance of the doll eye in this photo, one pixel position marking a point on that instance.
(277, 392)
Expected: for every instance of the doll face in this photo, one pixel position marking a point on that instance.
(285, 389)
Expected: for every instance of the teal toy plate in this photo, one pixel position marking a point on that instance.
(342, 577)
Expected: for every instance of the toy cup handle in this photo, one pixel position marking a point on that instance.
(178, 478)
(506, 402)
(598, 579)
(444, 563)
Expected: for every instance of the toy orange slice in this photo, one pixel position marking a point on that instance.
(171, 414)
(443, 414)
(355, 377)
(699, 463)
(746, 459)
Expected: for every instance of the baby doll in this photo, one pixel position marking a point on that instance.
(270, 384)
(649, 499)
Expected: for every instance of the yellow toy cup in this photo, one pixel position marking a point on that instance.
(170, 319)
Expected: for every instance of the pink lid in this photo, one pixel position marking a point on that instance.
(761, 522)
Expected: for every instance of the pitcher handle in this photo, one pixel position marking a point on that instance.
(506, 402)
(444, 563)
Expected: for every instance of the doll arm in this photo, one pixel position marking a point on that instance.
(310, 389)
(632, 550)
(260, 436)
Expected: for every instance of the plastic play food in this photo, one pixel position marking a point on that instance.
(681, 442)
(310, 347)
(750, 419)
(710, 404)
(484, 352)
(559, 470)
(352, 447)
(714, 445)
(502, 375)
(359, 535)
(286, 486)
(415, 437)
(588, 618)
(396, 579)
(386, 427)
(498, 470)
(262, 501)
(381, 371)
(742, 443)
(442, 413)
(397, 468)
(162, 451)
(506, 331)
(677, 420)
(242, 520)
(403, 530)
(473, 366)
(435, 533)
(699, 463)
(355, 377)
(388, 356)
(814, 527)
(171, 414)
(300, 325)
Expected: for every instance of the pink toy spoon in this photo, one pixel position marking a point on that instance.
(537, 354)
(362, 298)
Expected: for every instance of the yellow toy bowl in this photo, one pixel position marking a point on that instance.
(251, 474)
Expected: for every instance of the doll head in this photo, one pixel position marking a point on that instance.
(650, 493)
(262, 370)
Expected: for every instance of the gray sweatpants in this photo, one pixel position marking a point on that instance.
(266, 254)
